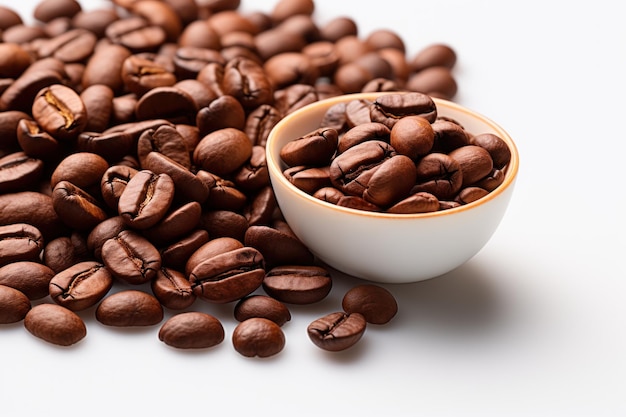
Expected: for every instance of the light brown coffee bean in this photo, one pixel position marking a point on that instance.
(55, 324)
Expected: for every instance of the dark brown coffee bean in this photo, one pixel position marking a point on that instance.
(412, 136)
(63, 252)
(35, 142)
(491, 181)
(440, 175)
(19, 171)
(357, 112)
(419, 202)
(201, 93)
(449, 136)
(20, 242)
(200, 34)
(323, 56)
(361, 133)
(177, 223)
(313, 149)
(434, 81)
(357, 203)
(351, 77)
(159, 14)
(223, 112)
(246, 80)
(390, 108)
(129, 308)
(261, 208)
(290, 68)
(258, 337)
(111, 147)
(274, 41)
(374, 302)
(224, 223)
(470, 194)
(190, 60)
(223, 151)
(55, 324)
(172, 289)
(176, 254)
(14, 59)
(337, 331)
(141, 74)
(30, 278)
(21, 93)
(228, 276)
(295, 284)
(224, 194)
(14, 305)
(253, 175)
(105, 67)
(75, 207)
(187, 185)
(81, 286)
(391, 182)
(277, 246)
(114, 182)
(146, 199)
(335, 117)
(192, 330)
(262, 306)
(497, 148)
(329, 194)
(83, 169)
(33, 208)
(131, 257)
(169, 103)
(60, 112)
(308, 179)
(475, 163)
(260, 122)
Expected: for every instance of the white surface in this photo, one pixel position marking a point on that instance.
(534, 325)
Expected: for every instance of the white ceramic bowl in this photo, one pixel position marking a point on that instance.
(382, 247)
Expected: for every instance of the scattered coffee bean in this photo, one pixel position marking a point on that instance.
(192, 330)
(14, 305)
(374, 302)
(55, 324)
(258, 337)
(129, 308)
(337, 331)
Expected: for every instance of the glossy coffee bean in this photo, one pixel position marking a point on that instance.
(374, 302)
(295, 284)
(14, 305)
(19, 171)
(337, 331)
(313, 149)
(129, 308)
(262, 306)
(474, 161)
(60, 111)
(390, 108)
(20, 242)
(146, 199)
(258, 337)
(172, 289)
(55, 324)
(279, 247)
(81, 286)
(192, 330)
(28, 277)
(131, 258)
(76, 208)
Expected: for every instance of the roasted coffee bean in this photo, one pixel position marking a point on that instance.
(83, 169)
(261, 208)
(391, 181)
(434, 55)
(375, 303)
(351, 170)
(323, 56)
(159, 14)
(337, 331)
(474, 161)
(313, 149)
(187, 185)
(59, 111)
(491, 181)
(140, 75)
(449, 136)
(192, 330)
(48, 10)
(19, 171)
(295, 284)
(136, 34)
(335, 117)
(260, 122)
(20, 242)
(357, 203)
(258, 337)
(290, 68)
(35, 142)
(223, 112)
(177, 223)
(277, 246)
(81, 286)
(412, 136)
(223, 151)
(224, 223)
(75, 207)
(21, 93)
(262, 306)
(129, 308)
(440, 175)
(31, 278)
(308, 179)
(169, 103)
(172, 289)
(55, 324)
(146, 199)
(114, 182)
(497, 148)
(253, 175)
(338, 27)
(470, 194)
(112, 146)
(434, 81)
(96, 21)
(390, 108)
(329, 194)
(246, 80)
(63, 252)
(358, 112)
(190, 60)
(14, 305)
(176, 254)
(72, 46)
(105, 65)
(362, 133)
(200, 34)
(228, 276)
(33, 208)
(131, 258)
(419, 202)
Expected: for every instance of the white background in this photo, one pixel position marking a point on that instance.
(534, 325)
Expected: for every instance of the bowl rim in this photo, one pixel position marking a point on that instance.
(274, 163)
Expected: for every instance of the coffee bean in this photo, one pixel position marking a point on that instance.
(76, 208)
(277, 246)
(337, 331)
(30, 278)
(131, 258)
(14, 305)
(192, 330)
(298, 284)
(223, 151)
(146, 199)
(81, 286)
(258, 337)
(172, 289)
(474, 161)
(262, 306)
(129, 308)
(60, 112)
(374, 302)
(55, 324)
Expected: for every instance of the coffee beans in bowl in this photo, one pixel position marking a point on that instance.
(391, 187)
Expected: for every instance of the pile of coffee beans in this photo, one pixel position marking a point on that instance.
(132, 154)
(395, 155)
